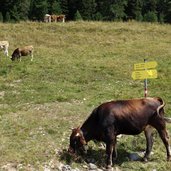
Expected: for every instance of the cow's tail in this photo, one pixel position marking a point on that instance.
(168, 120)
(161, 106)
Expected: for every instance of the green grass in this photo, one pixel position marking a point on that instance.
(76, 66)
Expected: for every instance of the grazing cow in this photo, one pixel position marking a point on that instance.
(27, 50)
(56, 18)
(47, 18)
(4, 46)
(129, 117)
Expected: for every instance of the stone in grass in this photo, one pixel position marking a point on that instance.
(92, 166)
(134, 157)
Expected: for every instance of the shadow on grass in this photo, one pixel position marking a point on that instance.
(97, 157)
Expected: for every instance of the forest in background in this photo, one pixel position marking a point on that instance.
(94, 10)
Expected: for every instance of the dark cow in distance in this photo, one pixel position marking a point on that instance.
(27, 50)
(129, 117)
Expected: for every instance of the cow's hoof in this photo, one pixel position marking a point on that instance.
(109, 168)
(145, 159)
(169, 158)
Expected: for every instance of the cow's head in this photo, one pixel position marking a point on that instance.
(12, 57)
(15, 55)
(77, 141)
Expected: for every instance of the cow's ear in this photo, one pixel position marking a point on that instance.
(73, 129)
(83, 141)
(78, 128)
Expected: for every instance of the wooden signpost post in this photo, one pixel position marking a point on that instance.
(144, 71)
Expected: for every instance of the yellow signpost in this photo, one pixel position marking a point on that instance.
(141, 75)
(143, 71)
(145, 65)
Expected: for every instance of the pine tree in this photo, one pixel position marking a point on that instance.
(77, 16)
(149, 5)
(56, 8)
(134, 10)
(103, 8)
(167, 11)
(1, 17)
(23, 9)
(38, 9)
(15, 14)
(7, 17)
(88, 9)
(73, 6)
(117, 9)
(65, 7)
(98, 16)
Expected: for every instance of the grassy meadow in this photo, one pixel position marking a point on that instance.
(76, 66)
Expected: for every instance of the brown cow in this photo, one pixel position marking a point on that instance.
(27, 50)
(129, 117)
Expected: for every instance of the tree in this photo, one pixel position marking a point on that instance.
(23, 7)
(14, 14)
(54, 7)
(38, 9)
(98, 16)
(117, 9)
(88, 9)
(167, 11)
(1, 17)
(7, 17)
(103, 8)
(73, 6)
(65, 7)
(77, 16)
(134, 9)
(149, 5)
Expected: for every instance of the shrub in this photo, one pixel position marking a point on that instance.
(150, 17)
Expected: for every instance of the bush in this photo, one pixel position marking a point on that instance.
(98, 16)
(150, 17)
(139, 16)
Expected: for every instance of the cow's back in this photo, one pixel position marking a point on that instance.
(127, 116)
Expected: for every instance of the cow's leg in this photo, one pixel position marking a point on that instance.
(149, 141)
(6, 52)
(165, 138)
(31, 56)
(19, 57)
(114, 156)
(160, 125)
(110, 141)
(109, 152)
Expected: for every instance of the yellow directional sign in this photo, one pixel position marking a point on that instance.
(141, 75)
(145, 65)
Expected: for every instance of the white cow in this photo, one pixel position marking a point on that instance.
(4, 45)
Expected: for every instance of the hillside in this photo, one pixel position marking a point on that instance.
(76, 66)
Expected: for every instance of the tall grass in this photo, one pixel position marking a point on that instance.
(76, 66)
